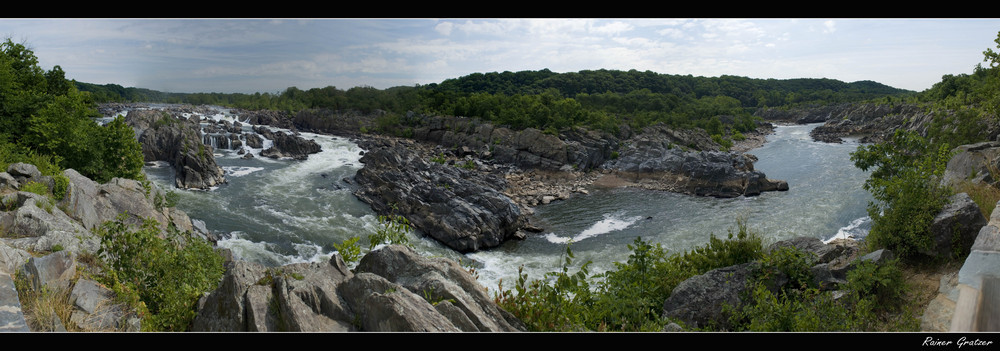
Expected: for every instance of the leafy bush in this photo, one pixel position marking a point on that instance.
(162, 278)
(392, 229)
(35, 187)
(873, 299)
(349, 250)
(560, 302)
(629, 298)
(905, 184)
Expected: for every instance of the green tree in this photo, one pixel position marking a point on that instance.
(43, 112)
(905, 184)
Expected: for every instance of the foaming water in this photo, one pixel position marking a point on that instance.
(277, 212)
(610, 223)
(826, 200)
(280, 211)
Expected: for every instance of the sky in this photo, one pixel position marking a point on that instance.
(269, 55)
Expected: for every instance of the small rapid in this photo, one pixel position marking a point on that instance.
(282, 211)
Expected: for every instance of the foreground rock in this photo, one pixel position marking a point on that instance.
(463, 209)
(954, 229)
(707, 300)
(393, 289)
(177, 141)
(43, 237)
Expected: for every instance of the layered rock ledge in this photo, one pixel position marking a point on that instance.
(177, 141)
(464, 209)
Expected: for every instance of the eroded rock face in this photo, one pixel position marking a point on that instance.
(974, 163)
(656, 165)
(329, 297)
(463, 209)
(177, 141)
(468, 305)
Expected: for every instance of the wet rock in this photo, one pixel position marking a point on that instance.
(286, 145)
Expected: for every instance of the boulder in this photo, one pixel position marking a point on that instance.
(327, 296)
(11, 259)
(703, 300)
(384, 306)
(955, 228)
(23, 171)
(8, 181)
(95, 309)
(53, 271)
(441, 280)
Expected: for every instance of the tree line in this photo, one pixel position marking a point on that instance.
(598, 99)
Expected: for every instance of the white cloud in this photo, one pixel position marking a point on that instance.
(829, 26)
(444, 28)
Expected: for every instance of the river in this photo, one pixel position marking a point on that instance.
(277, 212)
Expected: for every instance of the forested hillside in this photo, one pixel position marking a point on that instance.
(599, 99)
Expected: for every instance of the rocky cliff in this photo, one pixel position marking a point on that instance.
(392, 289)
(178, 141)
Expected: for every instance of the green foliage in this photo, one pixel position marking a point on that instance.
(349, 250)
(724, 142)
(162, 278)
(392, 230)
(905, 177)
(560, 302)
(60, 186)
(742, 246)
(629, 298)
(440, 159)
(35, 187)
(873, 299)
(45, 115)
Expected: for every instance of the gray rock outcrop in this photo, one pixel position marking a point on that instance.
(702, 300)
(955, 228)
(463, 209)
(444, 282)
(11, 315)
(656, 165)
(36, 224)
(329, 297)
(178, 141)
(975, 163)
(285, 145)
(92, 204)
